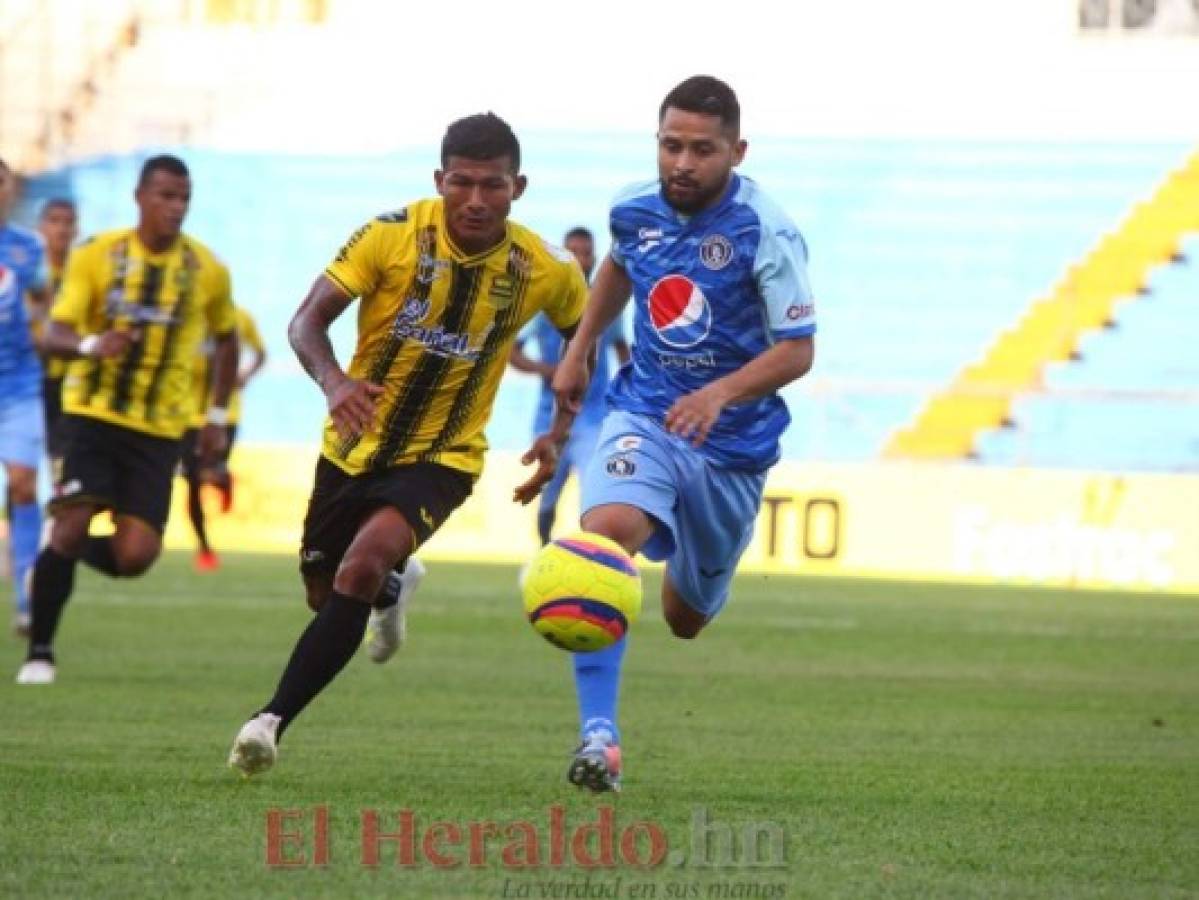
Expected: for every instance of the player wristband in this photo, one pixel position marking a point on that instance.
(87, 345)
(217, 415)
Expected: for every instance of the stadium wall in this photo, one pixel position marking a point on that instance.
(917, 521)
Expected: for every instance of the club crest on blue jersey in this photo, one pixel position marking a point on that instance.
(679, 311)
(620, 466)
(716, 252)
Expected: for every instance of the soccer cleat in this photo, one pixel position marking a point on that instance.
(388, 627)
(36, 671)
(255, 747)
(206, 561)
(596, 763)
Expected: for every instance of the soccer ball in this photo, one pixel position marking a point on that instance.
(582, 592)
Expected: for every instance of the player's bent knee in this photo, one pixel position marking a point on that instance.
(685, 622)
(132, 563)
(627, 525)
(686, 630)
(317, 589)
(360, 577)
(68, 533)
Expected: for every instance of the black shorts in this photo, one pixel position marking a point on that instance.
(424, 493)
(116, 468)
(189, 462)
(56, 443)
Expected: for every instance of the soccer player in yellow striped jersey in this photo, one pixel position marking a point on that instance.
(58, 224)
(216, 472)
(134, 306)
(445, 285)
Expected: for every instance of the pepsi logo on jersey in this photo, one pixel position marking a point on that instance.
(679, 311)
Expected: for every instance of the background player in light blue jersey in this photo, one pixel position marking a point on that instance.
(542, 334)
(22, 428)
(723, 318)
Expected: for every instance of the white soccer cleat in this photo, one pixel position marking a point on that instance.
(388, 628)
(256, 745)
(36, 671)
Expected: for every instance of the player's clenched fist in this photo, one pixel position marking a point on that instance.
(352, 405)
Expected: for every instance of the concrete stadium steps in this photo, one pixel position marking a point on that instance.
(980, 396)
(1127, 402)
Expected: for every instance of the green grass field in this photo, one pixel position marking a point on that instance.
(908, 740)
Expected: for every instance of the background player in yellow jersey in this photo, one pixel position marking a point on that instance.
(58, 224)
(133, 308)
(446, 284)
(216, 471)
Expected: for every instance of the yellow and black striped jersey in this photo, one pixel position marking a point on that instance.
(434, 329)
(248, 337)
(174, 299)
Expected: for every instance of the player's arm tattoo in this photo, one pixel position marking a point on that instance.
(308, 332)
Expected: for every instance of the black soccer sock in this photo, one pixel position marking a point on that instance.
(98, 554)
(327, 644)
(53, 579)
(545, 524)
(195, 512)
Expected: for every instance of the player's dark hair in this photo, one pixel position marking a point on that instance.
(58, 203)
(172, 165)
(579, 232)
(3, 165)
(707, 96)
(481, 136)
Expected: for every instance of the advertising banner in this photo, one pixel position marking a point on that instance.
(918, 521)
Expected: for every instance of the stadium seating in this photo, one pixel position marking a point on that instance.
(921, 251)
(1127, 402)
(1050, 329)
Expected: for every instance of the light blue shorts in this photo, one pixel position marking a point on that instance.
(22, 430)
(704, 514)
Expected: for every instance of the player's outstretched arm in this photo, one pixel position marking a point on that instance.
(522, 362)
(212, 439)
(547, 448)
(351, 402)
(693, 415)
(609, 294)
(257, 361)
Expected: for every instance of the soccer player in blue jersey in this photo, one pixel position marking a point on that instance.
(723, 318)
(22, 428)
(542, 334)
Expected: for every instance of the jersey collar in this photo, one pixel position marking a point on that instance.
(466, 259)
(704, 215)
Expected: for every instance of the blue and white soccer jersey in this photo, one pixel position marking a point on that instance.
(711, 292)
(22, 425)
